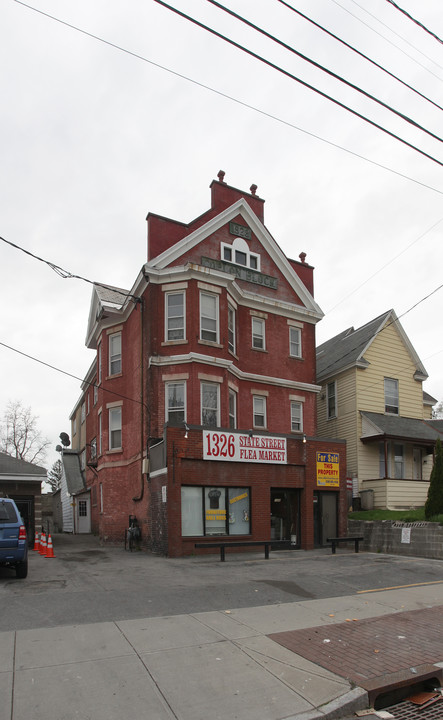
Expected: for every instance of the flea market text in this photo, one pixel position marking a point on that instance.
(243, 448)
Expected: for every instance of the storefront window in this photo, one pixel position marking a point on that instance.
(215, 511)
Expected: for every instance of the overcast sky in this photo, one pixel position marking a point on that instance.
(94, 138)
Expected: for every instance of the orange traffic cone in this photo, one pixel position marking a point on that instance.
(37, 543)
(50, 550)
(42, 550)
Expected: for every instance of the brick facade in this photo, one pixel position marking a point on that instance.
(209, 319)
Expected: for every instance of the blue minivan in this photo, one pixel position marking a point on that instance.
(13, 538)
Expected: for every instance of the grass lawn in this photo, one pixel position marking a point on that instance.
(417, 515)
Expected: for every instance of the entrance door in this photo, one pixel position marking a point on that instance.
(325, 517)
(285, 516)
(84, 515)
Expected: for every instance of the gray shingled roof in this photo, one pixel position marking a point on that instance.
(111, 295)
(396, 427)
(13, 466)
(74, 476)
(348, 347)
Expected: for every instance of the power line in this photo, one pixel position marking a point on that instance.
(221, 94)
(65, 274)
(365, 57)
(298, 80)
(417, 22)
(326, 70)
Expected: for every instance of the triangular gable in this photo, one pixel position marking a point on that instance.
(107, 299)
(242, 208)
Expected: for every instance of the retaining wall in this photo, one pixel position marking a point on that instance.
(419, 539)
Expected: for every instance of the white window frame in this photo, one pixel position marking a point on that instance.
(232, 410)
(99, 363)
(115, 426)
(83, 413)
(232, 345)
(115, 354)
(296, 416)
(169, 410)
(295, 342)
(258, 329)
(215, 386)
(257, 412)
(331, 394)
(391, 392)
(100, 433)
(212, 319)
(228, 253)
(179, 331)
(95, 392)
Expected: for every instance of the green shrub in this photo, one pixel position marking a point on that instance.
(434, 502)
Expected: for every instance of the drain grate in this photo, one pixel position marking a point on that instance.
(408, 711)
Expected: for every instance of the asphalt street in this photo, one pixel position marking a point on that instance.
(88, 583)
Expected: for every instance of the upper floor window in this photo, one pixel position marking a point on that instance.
(295, 342)
(391, 396)
(99, 363)
(83, 413)
(93, 450)
(209, 317)
(74, 426)
(240, 254)
(95, 395)
(231, 329)
(83, 459)
(296, 417)
(115, 428)
(115, 354)
(232, 409)
(331, 399)
(258, 333)
(259, 411)
(175, 316)
(100, 433)
(175, 402)
(210, 404)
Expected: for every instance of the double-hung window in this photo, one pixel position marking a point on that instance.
(296, 416)
(175, 402)
(232, 409)
(331, 400)
(259, 411)
(391, 396)
(231, 329)
(115, 354)
(115, 428)
(258, 333)
(295, 342)
(175, 316)
(210, 404)
(209, 317)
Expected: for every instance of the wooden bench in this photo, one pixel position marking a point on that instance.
(337, 540)
(243, 543)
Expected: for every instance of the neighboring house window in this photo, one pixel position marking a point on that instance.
(83, 413)
(115, 428)
(331, 399)
(99, 363)
(258, 333)
(74, 426)
(259, 410)
(100, 444)
(296, 417)
(231, 329)
(232, 409)
(391, 396)
(115, 354)
(175, 316)
(295, 342)
(175, 403)
(399, 461)
(227, 511)
(209, 317)
(210, 405)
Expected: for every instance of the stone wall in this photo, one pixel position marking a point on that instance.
(418, 539)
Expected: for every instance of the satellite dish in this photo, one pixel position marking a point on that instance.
(58, 448)
(64, 437)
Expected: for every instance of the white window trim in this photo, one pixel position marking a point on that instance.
(300, 406)
(335, 414)
(115, 355)
(291, 342)
(167, 295)
(232, 393)
(231, 310)
(111, 411)
(216, 385)
(254, 413)
(217, 317)
(167, 385)
(240, 245)
(262, 335)
(393, 380)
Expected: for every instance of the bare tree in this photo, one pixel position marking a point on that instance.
(437, 411)
(54, 476)
(20, 436)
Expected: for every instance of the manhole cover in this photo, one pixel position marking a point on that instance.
(408, 711)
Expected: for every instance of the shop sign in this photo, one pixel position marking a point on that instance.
(243, 448)
(328, 470)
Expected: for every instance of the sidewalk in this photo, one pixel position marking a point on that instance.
(303, 660)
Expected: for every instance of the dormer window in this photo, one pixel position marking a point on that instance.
(239, 254)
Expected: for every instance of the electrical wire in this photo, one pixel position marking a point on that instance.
(417, 22)
(298, 80)
(355, 50)
(326, 70)
(65, 274)
(221, 94)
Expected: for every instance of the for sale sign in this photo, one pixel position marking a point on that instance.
(234, 447)
(328, 469)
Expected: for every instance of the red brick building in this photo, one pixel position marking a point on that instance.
(200, 408)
